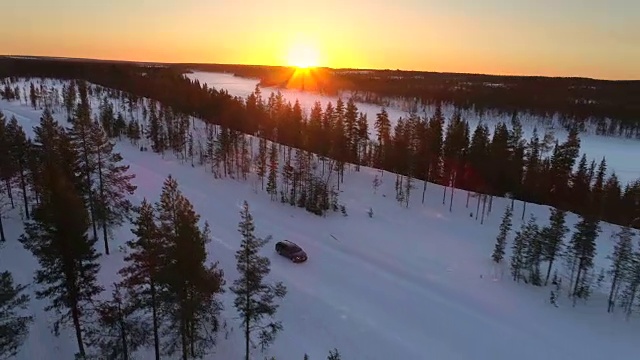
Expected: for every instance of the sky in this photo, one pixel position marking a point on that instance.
(591, 38)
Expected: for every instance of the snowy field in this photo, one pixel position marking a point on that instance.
(407, 283)
(621, 154)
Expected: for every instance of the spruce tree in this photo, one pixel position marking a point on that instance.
(334, 355)
(80, 135)
(501, 240)
(192, 286)
(272, 186)
(144, 265)
(583, 247)
(533, 251)
(121, 331)
(261, 164)
(113, 184)
(518, 253)
(621, 263)
(19, 151)
(552, 237)
(14, 325)
(255, 299)
(57, 237)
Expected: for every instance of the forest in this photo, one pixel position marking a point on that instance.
(576, 99)
(537, 170)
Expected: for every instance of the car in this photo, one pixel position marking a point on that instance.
(291, 251)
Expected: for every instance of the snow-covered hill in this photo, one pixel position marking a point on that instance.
(406, 283)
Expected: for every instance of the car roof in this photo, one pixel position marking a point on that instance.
(289, 243)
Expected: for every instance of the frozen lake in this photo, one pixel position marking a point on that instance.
(623, 155)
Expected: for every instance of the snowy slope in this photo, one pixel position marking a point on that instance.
(409, 283)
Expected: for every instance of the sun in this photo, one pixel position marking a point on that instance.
(303, 56)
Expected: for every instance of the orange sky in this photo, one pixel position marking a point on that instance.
(574, 38)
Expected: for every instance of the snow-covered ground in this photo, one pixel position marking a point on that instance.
(407, 283)
(621, 154)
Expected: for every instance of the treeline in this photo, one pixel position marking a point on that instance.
(534, 246)
(538, 170)
(72, 189)
(577, 100)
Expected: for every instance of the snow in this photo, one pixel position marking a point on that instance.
(619, 152)
(408, 283)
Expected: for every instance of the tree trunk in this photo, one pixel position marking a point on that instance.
(75, 314)
(2, 238)
(451, 197)
(484, 205)
(23, 185)
(468, 196)
(154, 312)
(123, 336)
(444, 195)
(614, 283)
(10, 193)
(490, 204)
(477, 206)
(546, 281)
(524, 208)
(104, 215)
(424, 190)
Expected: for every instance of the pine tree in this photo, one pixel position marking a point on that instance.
(552, 237)
(57, 237)
(113, 184)
(621, 263)
(518, 253)
(70, 98)
(334, 355)
(190, 296)
(121, 331)
(272, 186)
(14, 326)
(630, 293)
(583, 246)
(19, 151)
(80, 135)
(255, 299)
(145, 262)
(533, 251)
(262, 161)
(501, 240)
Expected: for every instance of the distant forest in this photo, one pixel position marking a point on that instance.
(537, 170)
(579, 99)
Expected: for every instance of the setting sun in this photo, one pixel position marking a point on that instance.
(303, 56)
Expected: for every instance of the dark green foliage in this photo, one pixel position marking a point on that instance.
(142, 276)
(552, 237)
(113, 185)
(255, 299)
(190, 286)
(582, 249)
(334, 355)
(621, 263)
(121, 330)
(57, 237)
(501, 240)
(14, 325)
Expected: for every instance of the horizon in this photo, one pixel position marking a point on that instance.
(522, 38)
(319, 67)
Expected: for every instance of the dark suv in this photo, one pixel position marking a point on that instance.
(291, 251)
